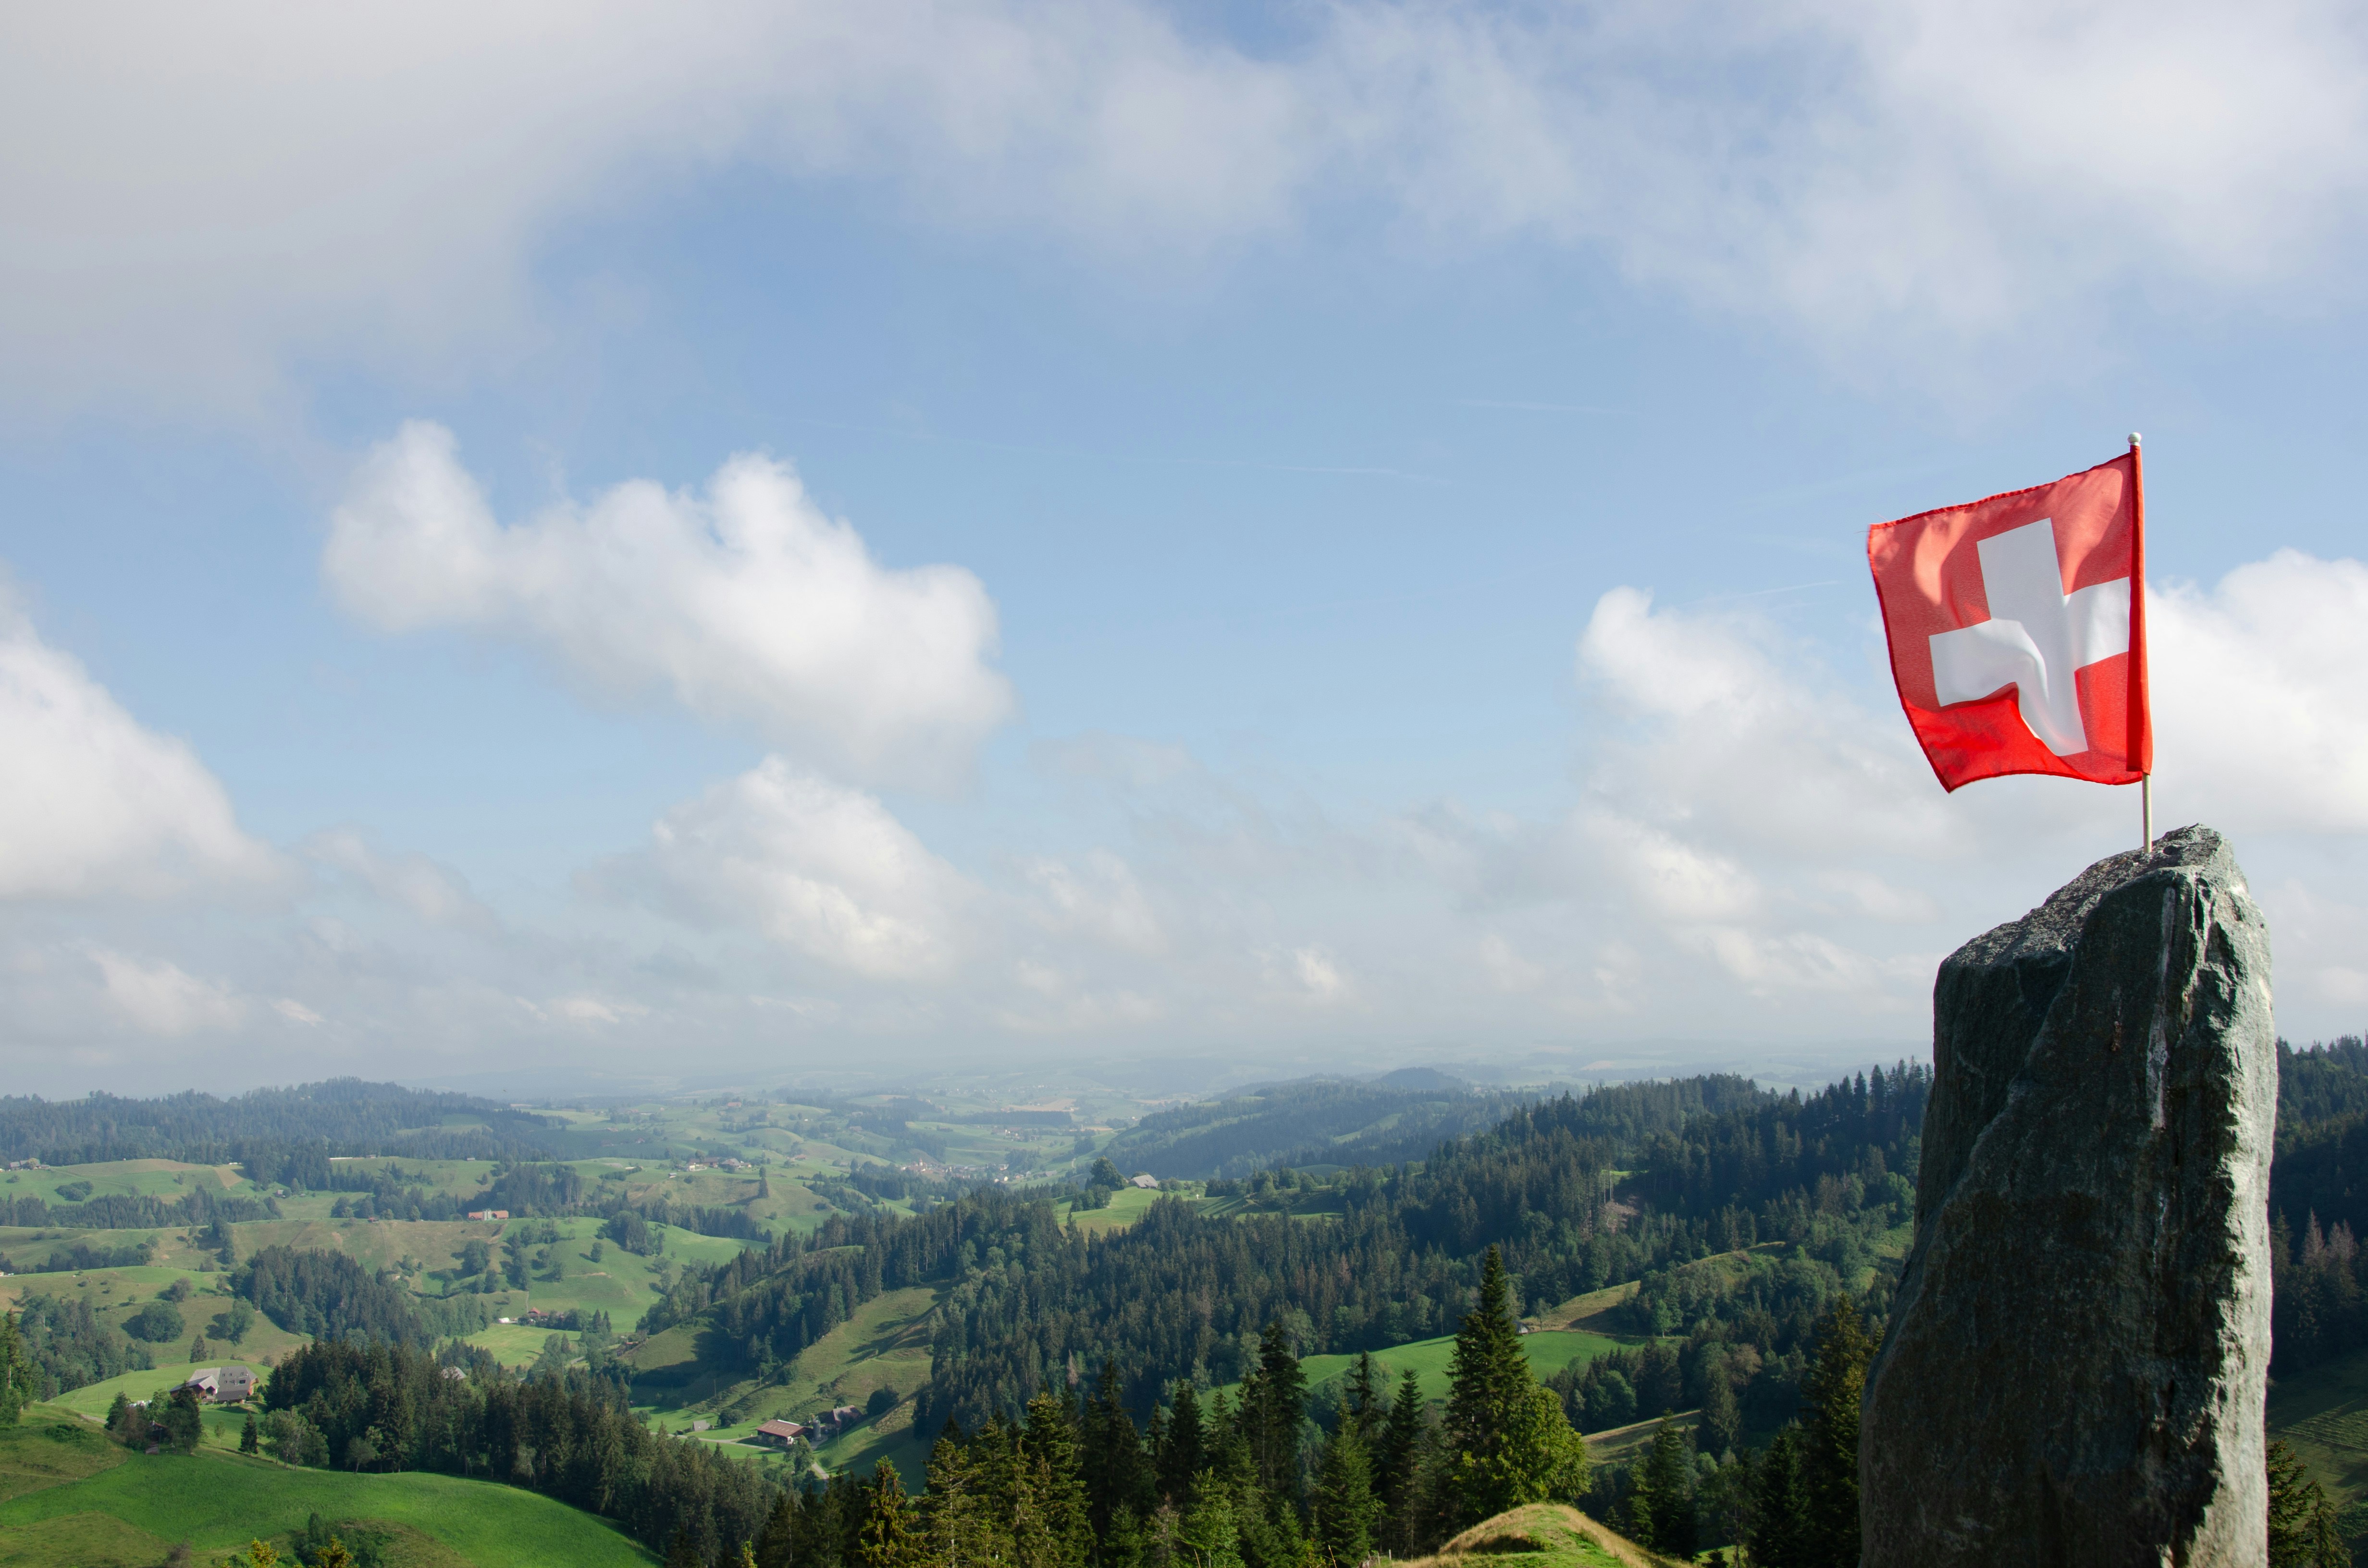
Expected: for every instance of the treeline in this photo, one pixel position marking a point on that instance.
(381, 1406)
(2319, 1203)
(119, 1211)
(267, 1130)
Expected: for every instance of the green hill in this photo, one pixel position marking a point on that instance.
(75, 1500)
(1542, 1534)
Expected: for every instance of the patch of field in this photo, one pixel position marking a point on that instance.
(1126, 1206)
(891, 1437)
(1542, 1534)
(885, 1345)
(1429, 1360)
(218, 1502)
(50, 1447)
(513, 1343)
(115, 1294)
(1620, 1445)
(1592, 1311)
(81, 1541)
(93, 1399)
(122, 1178)
(2323, 1413)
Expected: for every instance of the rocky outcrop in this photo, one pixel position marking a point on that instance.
(2079, 1347)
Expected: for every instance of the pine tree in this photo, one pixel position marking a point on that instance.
(1058, 1534)
(1117, 1475)
(1400, 1447)
(776, 1542)
(16, 1386)
(890, 1533)
(2303, 1529)
(1362, 1391)
(1835, 1386)
(1183, 1451)
(1722, 1416)
(1345, 1508)
(1507, 1441)
(250, 1441)
(1274, 1401)
(1662, 1508)
(1779, 1504)
(681, 1553)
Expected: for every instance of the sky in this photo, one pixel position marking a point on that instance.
(608, 544)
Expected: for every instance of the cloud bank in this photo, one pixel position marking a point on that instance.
(197, 198)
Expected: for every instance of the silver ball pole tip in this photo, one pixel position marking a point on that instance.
(2133, 437)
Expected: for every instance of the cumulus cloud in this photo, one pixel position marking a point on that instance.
(821, 869)
(197, 198)
(746, 603)
(97, 804)
(2261, 713)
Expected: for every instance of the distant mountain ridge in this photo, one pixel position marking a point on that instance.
(346, 1115)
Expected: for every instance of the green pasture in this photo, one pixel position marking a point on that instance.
(93, 1399)
(122, 1178)
(1549, 1350)
(2323, 1413)
(1126, 1206)
(56, 1471)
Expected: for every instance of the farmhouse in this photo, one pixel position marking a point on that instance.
(489, 1213)
(780, 1434)
(227, 1385)
(1143, 1181)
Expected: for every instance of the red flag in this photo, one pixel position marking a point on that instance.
(2018, 628)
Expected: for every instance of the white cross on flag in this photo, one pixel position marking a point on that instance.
(2017, 628)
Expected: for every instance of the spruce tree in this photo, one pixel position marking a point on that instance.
(1117, 1475)
(1396, 1454)
(1778, 1505)
(1507, 1441)
(1344, 1510)
(1362, 1391)
(1835, 1386)
(1662, 1508)
(1183, 1451)
(1274, 1401)
(777, 1543)
(1060, 1534)
(16, 1386)
(890, 1535)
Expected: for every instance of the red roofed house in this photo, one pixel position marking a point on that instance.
(782, 1433)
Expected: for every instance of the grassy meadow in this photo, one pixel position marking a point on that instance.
(71, 1499)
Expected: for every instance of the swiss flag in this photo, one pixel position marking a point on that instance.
(2017, 628)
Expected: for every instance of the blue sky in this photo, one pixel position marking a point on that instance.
(857, 539)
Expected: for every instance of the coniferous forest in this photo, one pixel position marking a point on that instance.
(1136, 1395)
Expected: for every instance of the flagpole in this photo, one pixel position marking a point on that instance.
(2141, 750)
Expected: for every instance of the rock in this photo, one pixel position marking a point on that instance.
(2079, 1349)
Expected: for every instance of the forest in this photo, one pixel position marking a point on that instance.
(280, 1135)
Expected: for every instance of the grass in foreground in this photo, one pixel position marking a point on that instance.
(219, 1501)
(1542, 1534)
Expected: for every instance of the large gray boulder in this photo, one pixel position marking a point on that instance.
(2079, 1346)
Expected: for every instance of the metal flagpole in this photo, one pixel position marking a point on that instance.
(2137, 688)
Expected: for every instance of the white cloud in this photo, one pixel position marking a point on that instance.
(1101, 901)
(295, 1012)
(95, 804)
(746, 603)
(818, 867)
(2261, 712)
(435, 895)
(196, 199)
(160, 998)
